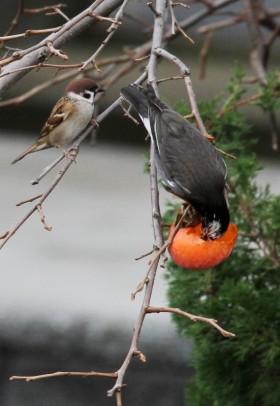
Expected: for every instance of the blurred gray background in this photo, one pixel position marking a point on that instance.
(65, 294)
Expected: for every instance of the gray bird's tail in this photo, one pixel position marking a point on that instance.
(135, 95)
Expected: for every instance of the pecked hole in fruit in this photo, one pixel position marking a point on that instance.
(190, 251)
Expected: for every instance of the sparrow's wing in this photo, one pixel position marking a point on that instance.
(62, 110)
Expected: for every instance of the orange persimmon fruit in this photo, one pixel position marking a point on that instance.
(190, 251)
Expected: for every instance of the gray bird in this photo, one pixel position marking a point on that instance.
(190, 167)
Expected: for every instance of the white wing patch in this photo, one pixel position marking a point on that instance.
(185, 189)
(147, 124)
(171, 183)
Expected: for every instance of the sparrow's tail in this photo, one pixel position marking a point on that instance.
(137, 97)
(34, 148)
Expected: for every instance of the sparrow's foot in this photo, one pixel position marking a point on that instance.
(94, 123)
(69, 155)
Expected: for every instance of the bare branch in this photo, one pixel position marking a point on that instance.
(259, 55)
(31, 199)
(38, 53)
(3, 236)
(112, 29)
(47, 170)
(60, 374)
(46, 8)
(192, 317)
(256, 54)
(204, 54)
(221, 24)
(22, 61)
(15, 21)
(56, 52)
(43, 217)
(156, 218)
(153, 9)
(58, 11)
(62, 77)
(185, 72)
(173, 18)
(183, 33)
(74, 152)
(177, 3)
(29, 33)
(127, 114)
(158, 254)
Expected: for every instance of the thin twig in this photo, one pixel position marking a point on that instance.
(180, 29)
(221, 24)
(58, 11)
(56, 52)
(204, 52)
(158, 254)
(173, 18)
(185, 72)
(257, 43)
(75, 150)
(60, 374)
(31, 199)
(118, 395)
(169, 78)
(29, 33)
(3, 236)
(227, 154)
(39, 52)
(144, 255)
(112, 29)
(46, 8)
(192, 317)
(178, 3)
(15, 20)
(57, 79)
(110, 20)
(127, 114)
(47, 170)
(153, 9)
(43, 217)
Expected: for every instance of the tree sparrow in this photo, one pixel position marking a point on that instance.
(69, 117)
(189, 165)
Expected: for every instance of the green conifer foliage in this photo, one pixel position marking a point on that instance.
(243, 293)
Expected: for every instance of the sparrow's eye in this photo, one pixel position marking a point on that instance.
(87, 94)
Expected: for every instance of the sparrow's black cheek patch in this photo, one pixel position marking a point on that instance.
(86, 95)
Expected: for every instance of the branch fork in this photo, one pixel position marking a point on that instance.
(56, 52)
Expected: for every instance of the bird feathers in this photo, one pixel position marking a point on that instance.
(62, 110)
(69, 117)
(37, 146)
(189, 165)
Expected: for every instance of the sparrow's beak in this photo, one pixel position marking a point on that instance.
(99, 89)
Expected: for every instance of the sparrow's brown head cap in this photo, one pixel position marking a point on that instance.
(78, 86)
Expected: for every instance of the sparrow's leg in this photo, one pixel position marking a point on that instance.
(94, 123)
(68, 155)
